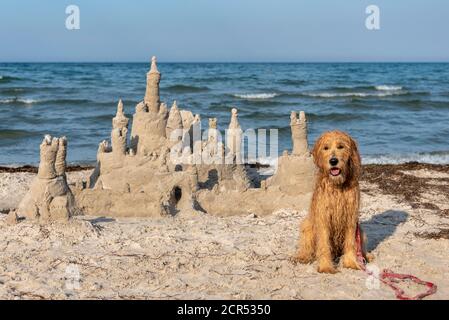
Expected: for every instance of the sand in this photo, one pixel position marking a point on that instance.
(200, 256)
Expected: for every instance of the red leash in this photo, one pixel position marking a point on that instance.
(390, 278)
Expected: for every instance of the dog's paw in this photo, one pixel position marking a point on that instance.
(369, 257)
(350, 262)
(326, 268)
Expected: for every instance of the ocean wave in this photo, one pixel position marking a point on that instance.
(215, 79)
(18, 101)
(354, 94)
(388, 88)
(432, 157)
(13, 134)
(180, 88)
(11, 91)
(34, 89)
(437, 157)
(441, 157)
(256, 96)
(62, 101)
(336, 117)
(4, 79)
(293, 82)
(271, 162)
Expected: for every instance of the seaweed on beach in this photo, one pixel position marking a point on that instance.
(391, 179)
(440, 234)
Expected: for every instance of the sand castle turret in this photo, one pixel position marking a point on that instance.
(120, 121)
(48, 150)
(234, 137)
(152, 99)
(148, 133)
(299, 133)
(118, 141)
(49, 197)
(295, 171)
(212, 132)
(212, 138)
(174, 122)
(195, 139)
(60, 163)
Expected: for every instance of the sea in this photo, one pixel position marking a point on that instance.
(398, 112)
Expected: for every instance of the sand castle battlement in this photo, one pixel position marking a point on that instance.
(158, 166)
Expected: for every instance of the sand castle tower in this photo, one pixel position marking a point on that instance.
(152, 99)
(234, 137)
(295, 171)
(49, 197)
(212, 145)
(119, 135)
(299, 133)
(120, 121)
(148, 133)
(174, 123)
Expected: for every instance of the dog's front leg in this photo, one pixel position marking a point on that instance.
(306, 245)
(349, 257)
(324, 253)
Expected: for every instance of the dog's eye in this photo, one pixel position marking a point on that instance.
(340, 147)
(326, 148)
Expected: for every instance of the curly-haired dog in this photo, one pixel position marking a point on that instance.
(329, 231)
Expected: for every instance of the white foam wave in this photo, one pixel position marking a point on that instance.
(435, 158)
(271, 164)
(354, 94)
(256, 95)
(25, 101)
(388, 88)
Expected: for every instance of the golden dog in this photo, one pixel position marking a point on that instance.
(329, 230)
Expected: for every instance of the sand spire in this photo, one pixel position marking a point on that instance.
(152, 99)
(60, 163)
(48, 150)
(234, 135)
(299, 133)
(120, 121)
(174, 122)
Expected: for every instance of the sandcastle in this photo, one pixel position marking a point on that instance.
(49, 197)
(163, 167)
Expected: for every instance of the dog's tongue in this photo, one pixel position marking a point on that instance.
(335, 171)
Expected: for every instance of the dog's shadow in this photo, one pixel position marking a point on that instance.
(382, 226)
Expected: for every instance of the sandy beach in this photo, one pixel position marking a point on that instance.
(405, 212)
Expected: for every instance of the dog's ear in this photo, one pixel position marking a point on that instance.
(354, 159)
(316, 152)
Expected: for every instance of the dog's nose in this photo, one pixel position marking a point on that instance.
(333, 161)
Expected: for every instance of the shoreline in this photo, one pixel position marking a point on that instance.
(397, 180)
(86, 166)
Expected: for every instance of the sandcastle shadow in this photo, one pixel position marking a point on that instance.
(382, 226)
(212, 180)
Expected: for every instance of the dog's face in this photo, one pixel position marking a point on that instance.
(336, 155)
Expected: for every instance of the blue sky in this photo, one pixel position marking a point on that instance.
(224, 30)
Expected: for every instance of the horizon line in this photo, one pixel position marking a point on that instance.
(232, 62)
